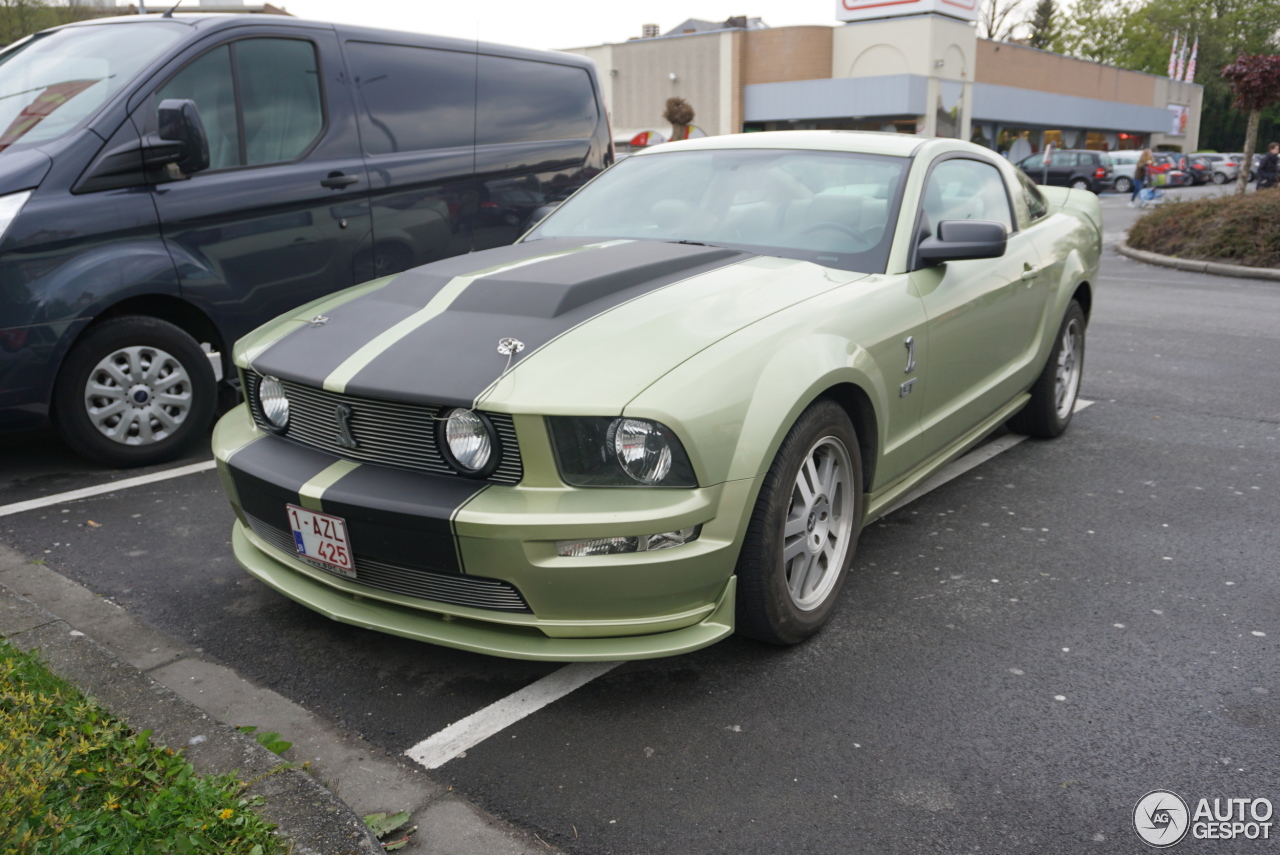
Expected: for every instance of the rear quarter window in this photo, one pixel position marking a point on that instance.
(525, 101)
(414, 98)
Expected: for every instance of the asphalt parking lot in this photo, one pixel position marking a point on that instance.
(1019, 656)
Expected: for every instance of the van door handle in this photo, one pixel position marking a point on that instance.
(337, 180)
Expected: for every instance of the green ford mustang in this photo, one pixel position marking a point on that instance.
(665, 414)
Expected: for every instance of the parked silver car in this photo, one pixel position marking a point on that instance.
(1226, 167)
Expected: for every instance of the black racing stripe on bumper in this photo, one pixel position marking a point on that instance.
(453, 358)
(269, 473)
(401, 518)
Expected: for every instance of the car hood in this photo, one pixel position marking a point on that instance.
(22, 169)
(566, 324)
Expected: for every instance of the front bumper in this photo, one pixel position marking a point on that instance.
(444, 534)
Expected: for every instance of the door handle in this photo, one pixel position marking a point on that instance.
(1030, 273)
(337, 180)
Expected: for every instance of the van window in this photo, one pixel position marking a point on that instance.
(523, 101)
(279, 100)
(208, 82)
(280, 96)
(415, 98)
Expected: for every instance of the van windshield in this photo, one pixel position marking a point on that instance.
(53, 81)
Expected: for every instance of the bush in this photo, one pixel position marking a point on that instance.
(1232, 229)
(73, 779)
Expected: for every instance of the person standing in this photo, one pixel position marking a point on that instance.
(1140, 175)
(1270, 166)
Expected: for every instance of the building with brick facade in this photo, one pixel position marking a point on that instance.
(920, 72)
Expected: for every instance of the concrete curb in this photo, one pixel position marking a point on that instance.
(1194, 266)
(305, 812)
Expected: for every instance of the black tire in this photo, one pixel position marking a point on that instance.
(766, 608)
(1044, 416)
(1124, 184)
(184, 375)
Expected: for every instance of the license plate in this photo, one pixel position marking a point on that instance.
(322, 538)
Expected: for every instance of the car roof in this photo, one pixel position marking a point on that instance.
(860, 142)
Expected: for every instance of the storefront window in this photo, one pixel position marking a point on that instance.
(1129, 142)
(1017, 143)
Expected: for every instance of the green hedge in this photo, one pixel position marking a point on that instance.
(74, 780)
(1230, 229)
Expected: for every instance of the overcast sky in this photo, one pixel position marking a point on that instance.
(548, 24)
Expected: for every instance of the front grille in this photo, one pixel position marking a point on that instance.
(389, 433)
(473, 591)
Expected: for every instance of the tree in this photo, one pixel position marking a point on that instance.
(1042, 25)
(1255, 80)
(680, 114)
(998, 19)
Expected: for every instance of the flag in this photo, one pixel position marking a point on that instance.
(1173, 57)
(1182, 61)
(1191, 66)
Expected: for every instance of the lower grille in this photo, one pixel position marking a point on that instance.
(472, 591)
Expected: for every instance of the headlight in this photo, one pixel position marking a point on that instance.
(274, 402)
(468, 441)
(619, 452)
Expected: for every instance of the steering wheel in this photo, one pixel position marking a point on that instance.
(856, 234)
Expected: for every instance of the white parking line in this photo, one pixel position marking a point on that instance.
(434, 751)
(111, 487)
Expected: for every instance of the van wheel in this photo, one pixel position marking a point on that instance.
(801, 537)
(134, 391)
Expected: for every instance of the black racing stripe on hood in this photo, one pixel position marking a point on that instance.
(401, 517)
(309, 354)
(453, 358)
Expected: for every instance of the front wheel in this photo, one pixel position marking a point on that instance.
(800, 541)
(1053, 397)
(134, 391)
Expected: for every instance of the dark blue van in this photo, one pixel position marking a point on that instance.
(169, 183)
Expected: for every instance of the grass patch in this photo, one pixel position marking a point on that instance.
(1231, 229)
(73, 779)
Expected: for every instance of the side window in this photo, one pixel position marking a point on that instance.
(279, 113)
(208, 82)
(966, 190)
(280, 96)
(524, 101)
(1065, 158)
(1036, 204)
(414, 98)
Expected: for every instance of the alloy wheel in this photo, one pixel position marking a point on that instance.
(819, 527)
(1070, 367)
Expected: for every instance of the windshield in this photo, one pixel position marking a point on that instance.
(832, 208)
(52, 82)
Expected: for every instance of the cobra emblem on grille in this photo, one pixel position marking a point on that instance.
(346, 438)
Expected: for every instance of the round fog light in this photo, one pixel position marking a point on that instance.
(466, 435)
(274, 402)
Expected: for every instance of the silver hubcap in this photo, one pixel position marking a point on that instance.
(819, 524)
(1070, 363)
(138, 395)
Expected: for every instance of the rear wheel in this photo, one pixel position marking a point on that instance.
(1053, 397)
(1081, 184)
(134, 391)
(1219, 178)
(1124, 184)
(800, 541)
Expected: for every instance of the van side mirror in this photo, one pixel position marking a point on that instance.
(959, 240)
(188, 145)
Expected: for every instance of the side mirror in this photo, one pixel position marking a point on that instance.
(180, 125)
(959, 240)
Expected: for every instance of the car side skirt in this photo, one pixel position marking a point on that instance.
(891, 498)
